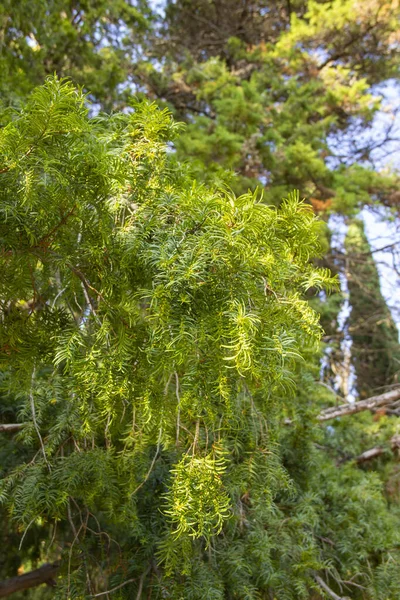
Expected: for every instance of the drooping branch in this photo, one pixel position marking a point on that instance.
(367, 404)
(45, 574)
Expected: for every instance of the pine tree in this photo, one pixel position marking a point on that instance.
(376, 347)
(280, 93)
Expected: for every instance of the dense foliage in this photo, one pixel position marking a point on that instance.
(161, 321)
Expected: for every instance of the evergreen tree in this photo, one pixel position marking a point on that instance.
(153, 332)
(162, 420)
(92, 41)
(280, 93)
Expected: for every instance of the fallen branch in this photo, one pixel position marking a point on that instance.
(11, 426)
(45, 574)
(367, 404)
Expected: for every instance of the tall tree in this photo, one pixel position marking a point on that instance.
(283, 101)
(376, 347)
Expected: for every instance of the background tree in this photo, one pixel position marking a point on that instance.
(94, 42)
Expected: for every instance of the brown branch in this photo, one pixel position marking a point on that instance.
(355, 255)
(45, 574)
(343, 52)
(368, 404)
(27, 153)
(11, 427)
(377, 451)
(86, 285)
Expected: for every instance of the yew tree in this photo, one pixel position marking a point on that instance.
(153, 333)
(167, 425)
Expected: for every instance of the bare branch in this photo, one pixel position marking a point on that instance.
(368, 404)
(369, 454)
(378, 450)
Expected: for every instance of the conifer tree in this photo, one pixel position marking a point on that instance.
(163, 424)
(94, 42)
(280, 93)
(153, 332)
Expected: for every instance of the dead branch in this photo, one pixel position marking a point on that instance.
(327, 589)
(367, 404)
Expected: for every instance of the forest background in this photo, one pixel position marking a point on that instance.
(199, 380)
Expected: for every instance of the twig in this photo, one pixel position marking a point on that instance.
(51, 233)
(114, 589)
(141, 581)
(196, 435)
(152, 464)
(53, 537)
(327, 589)
(24, 534)
(178, 419)
(31, 397)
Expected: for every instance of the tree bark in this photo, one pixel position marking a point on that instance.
(368, 404)
(45, 574)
